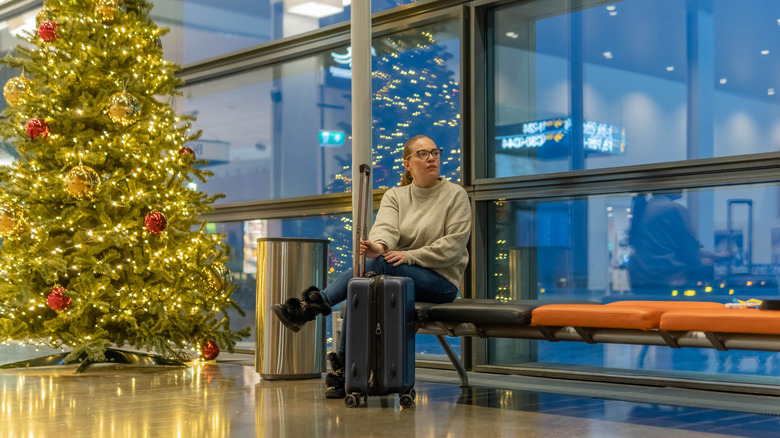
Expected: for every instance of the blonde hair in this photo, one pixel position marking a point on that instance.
(406, 178)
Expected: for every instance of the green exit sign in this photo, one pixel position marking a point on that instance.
(331, 138)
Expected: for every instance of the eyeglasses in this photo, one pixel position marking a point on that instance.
(423, 154)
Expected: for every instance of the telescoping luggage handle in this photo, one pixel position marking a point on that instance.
(364, 208)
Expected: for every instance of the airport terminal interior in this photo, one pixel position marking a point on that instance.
(612, 151)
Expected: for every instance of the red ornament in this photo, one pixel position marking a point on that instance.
(56, 300)
(155, 222)
(48, 31)
(37, 128)
(185, 151)
(209, 350)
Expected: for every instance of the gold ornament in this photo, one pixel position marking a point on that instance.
(12, 220)
(107, 10)
(218, 277)
(82, 182)
(17, 90)
(123, 108)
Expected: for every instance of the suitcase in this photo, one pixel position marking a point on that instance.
(380, 326)
(380, 339)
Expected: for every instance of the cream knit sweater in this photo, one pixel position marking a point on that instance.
(431, 226)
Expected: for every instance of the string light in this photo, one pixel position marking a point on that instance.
(114, 271)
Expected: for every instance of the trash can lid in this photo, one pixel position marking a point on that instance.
(291, 239)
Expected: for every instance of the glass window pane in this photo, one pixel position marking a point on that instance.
(285, 130)
(716, 244)
(261, 131)
(416, 83)
(242, 238)
(202, 29)
(11, 31)
(636, 82)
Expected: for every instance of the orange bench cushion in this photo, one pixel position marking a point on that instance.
(722, 320)
(637, 315)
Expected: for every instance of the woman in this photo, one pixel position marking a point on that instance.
(421, 231)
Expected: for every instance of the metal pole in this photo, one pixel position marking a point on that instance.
(360, 35)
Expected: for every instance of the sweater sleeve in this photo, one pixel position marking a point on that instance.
(448, 249)
(386, 229)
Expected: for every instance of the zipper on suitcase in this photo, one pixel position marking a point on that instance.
(373, 344)
(378, 338)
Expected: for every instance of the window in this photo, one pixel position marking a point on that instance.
(242, 238)
(285, 130)
(634, 82)
(715, 244)
(202, 29)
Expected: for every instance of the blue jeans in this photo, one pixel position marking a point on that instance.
(429, 287)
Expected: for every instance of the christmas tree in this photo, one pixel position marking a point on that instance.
(413, 93)
(102, 241)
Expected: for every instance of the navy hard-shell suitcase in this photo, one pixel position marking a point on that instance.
(380, 339)
(380, 324)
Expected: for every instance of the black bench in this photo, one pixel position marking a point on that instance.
(660, 323)
(483, 318)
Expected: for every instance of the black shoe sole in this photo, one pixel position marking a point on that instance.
(335, 393)
(277, 310)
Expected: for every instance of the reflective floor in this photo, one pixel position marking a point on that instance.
(228, 399)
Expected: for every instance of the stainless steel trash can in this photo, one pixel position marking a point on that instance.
(285, 268)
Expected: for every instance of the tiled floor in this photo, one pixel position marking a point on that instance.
(228, 399)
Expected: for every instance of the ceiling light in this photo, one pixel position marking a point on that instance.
(613, 13)
(765, 52)
(608, 55)
(723, 81)
(770, 91)
(313, 8)
(612, 8)
(670, 68)
(512, 35)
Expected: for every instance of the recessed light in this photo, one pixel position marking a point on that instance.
(608, 55)
(512, 35)
(723, 81)
(765, 52)
(612, 8)
(613, 13)
(670, 68)
(770, 91)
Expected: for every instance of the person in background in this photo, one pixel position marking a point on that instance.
(666, 255)
(421, 232)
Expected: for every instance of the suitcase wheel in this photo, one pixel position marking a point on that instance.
(354, 399)
(407, 400)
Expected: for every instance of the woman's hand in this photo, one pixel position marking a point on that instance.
(396, 257)
(371, 249)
